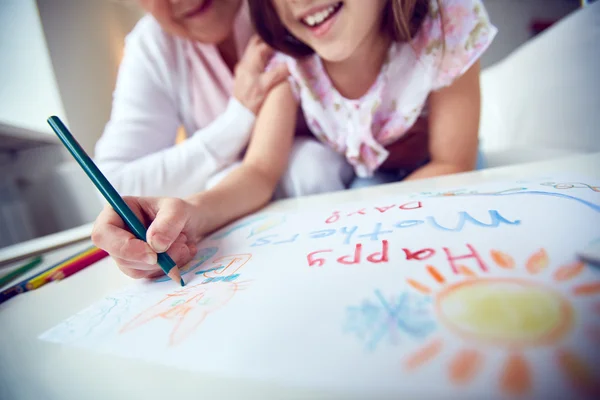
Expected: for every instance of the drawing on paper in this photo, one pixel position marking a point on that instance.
(236, 226)
(186, 309)
(515, 313)
(389, 319)
(571, 185)
(519, 191)
(467, 192)
(267, 222)
(226, 266)
(267, 225)
(97, 321)
(201, 257)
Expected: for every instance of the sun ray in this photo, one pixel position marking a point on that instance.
(464, 270)
(578, 371)
(465, 365)
(435, 274)
(569, 271)
(424, 355)
(537, 262)
(587, 289)
(516, 375)
(502, 259)
(420, 287)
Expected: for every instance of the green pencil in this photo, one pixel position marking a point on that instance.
(110, 194)
(34, 262)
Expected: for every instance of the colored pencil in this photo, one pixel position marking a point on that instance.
(21, 287)
(111, 195)
(44, 277)
(78, 265)
(34, 262)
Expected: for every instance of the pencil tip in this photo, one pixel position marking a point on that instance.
(176, 276)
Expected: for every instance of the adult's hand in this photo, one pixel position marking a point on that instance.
(252, 83)
(175, 226)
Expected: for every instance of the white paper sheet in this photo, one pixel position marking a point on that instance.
(476, 291)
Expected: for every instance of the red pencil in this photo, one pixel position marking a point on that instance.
(78, 265)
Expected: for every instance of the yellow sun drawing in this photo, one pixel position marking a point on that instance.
(511, 313)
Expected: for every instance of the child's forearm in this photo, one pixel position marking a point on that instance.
(243, 191)
(436, 168)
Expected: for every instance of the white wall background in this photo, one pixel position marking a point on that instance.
(28, 88)
(513, 19)
(85, 40)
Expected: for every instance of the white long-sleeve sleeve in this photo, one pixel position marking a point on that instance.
(136, 151)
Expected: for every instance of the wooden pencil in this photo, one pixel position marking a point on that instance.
(21, 286)
(44, 277)
(76, 266)
(34, 262)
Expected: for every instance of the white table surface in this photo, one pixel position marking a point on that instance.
(33, 369)
(44, 244)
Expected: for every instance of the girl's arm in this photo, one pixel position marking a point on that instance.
(251, 186)
(453, 127)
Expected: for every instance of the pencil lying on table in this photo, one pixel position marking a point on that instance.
(20, 271)
(77, 265)
(110, 194)
(43, 277)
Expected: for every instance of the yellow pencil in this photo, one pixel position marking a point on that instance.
(43, 278)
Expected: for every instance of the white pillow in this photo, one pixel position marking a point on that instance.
(546, 94)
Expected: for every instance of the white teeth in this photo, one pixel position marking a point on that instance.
(318, 17)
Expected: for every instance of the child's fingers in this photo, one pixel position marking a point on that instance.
(110, 235)
(136, 270)
(257, 57)
(273, 77)
(181, 253)
(168, 224)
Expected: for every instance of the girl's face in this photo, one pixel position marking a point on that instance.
(207, 21)
(334, 29)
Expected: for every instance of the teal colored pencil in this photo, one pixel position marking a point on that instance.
(110, 194)
(34, 262)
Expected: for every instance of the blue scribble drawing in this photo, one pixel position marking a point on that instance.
(267, 225)
(268, 222)
(202, 256)
(519, 191)
(229, 230)
(571, 185)
(97, 321)
(466, 192)
(589, 204)
(374, 321)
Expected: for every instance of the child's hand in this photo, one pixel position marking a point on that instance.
(252, 82)
(175, 227)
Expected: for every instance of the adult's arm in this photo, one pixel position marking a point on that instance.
(137, 151)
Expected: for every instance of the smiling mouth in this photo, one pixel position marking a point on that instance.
(318, 18)
(201, 8)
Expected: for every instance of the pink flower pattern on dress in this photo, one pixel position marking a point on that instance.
(362, 128)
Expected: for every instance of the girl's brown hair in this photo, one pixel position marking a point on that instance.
(401, 20)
